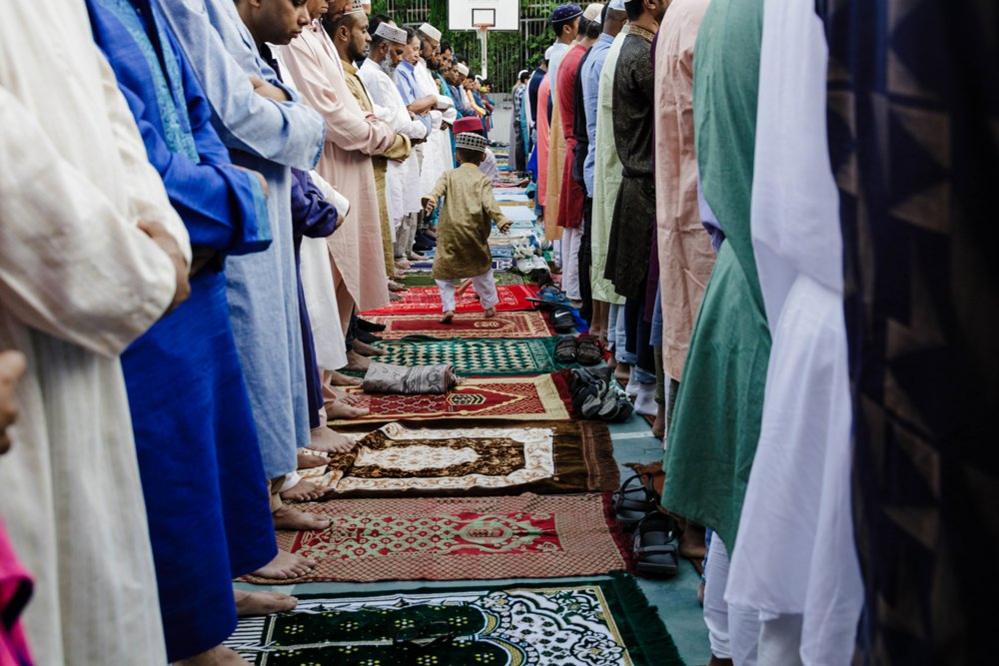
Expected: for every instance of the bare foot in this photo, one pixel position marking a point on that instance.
(338, 379)
(394, 297)
(303, 491)
(365, 349)
(622, 372)
(217, 656)
(659, 425)
(402, 263)
(308, 460)
(339, 410)
(356, 362)
(289, 518)
(447, 317)
(331, 442)
(249, 604)
(395, 286)
(286, 565)
(490, 313)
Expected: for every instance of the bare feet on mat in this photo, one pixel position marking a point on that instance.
(396, 286)
(490, 313)
(622, 372)
(337, 410)
(659, 425)
(217, 656)
(292, 519)
(303, 491)
(249, 604)
(357, 362)
(310, 460)
(338, 379)
(402, 264)
(394, 297)
(330, 442)
(285, 566)
(365, 349)
(447, 317)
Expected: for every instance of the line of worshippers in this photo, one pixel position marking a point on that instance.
(785, 278)
(183, 281)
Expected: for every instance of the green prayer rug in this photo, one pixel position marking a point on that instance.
(588, 622)
(424, 279)
(474, 357)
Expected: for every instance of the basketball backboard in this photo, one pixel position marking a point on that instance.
(468, 14)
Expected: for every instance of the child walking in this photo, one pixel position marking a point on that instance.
(463, 230)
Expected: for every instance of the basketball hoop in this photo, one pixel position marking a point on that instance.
(483, 20)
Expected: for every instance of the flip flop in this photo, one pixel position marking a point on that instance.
(591, 352)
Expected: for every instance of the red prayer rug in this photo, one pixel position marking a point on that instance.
(503, 325)
(521, 536)
(427, 300)
(540, 398)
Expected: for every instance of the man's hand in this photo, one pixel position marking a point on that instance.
(268, 90)
(429, 203)
(168, 244)
(504, 227)
(12, 366)
(260, 178)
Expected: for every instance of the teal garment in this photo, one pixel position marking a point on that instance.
(720, 403)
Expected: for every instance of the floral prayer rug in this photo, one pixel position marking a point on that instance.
(503, 325)
(541, 398)
(589, 622)
(422, 278)
(474, 357)
(461, 538)
(548, 458)
(427, 300)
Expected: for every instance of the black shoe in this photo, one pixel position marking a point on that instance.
(369, 326)
(366, 336)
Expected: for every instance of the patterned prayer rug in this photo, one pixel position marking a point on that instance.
(503, 325)
(460, 538)
(484, 358)
(547, 458)
(427, 300)
(541, 398)
(595, 622)
(422, 278)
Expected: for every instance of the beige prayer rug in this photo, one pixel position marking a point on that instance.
(503, 325)
(459, 538)
(559, 457)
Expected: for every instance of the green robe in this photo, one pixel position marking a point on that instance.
(720, 403)
(606, 178)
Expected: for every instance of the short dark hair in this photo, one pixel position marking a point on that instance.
(445, 46)
(593, 29)
(410, 33)
(558, 25)
(466, 156)
(635, 9)
(373, 24)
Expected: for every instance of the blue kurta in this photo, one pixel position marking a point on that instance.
(204, 485)
(268, 137)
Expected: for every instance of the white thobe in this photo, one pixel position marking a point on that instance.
(402, 179)
(437, 152)
(795, 555)
(78, 283)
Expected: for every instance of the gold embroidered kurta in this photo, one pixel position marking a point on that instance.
(465, 222)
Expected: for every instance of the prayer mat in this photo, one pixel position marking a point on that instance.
(541, 398)
(546, 458)
(506, 356)
(503, 325)
(427, 300)
(460, 538)
(425, 279)
(589, 622)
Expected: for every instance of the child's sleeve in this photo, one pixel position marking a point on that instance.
(440, 189)
(491, 208)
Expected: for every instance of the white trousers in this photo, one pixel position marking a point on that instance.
(484, 286)
(405, 235)
(571, 240)
(732, 631)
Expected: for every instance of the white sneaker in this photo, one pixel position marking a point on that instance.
(645, 402)
(633, 387)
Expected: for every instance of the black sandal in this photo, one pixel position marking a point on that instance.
(655, 546)
(565, 349)
(590, 350)
(635, 500)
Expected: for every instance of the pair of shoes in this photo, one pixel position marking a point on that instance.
(370, 326)
(596, 395)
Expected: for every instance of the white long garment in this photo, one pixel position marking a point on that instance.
(795, 554)
(78, 282)
(402, 186)
(437, 154)
(320, 295)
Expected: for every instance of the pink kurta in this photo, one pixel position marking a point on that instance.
(543, 135)
(352, 137)
(685, 253)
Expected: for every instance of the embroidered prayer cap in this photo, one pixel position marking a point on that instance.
(566, 12)
(467, 124)
(356, 7)
(391, 33)
(462, 68)
(594, 11)
(430, 31)
(471, 141)
(617, 5)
